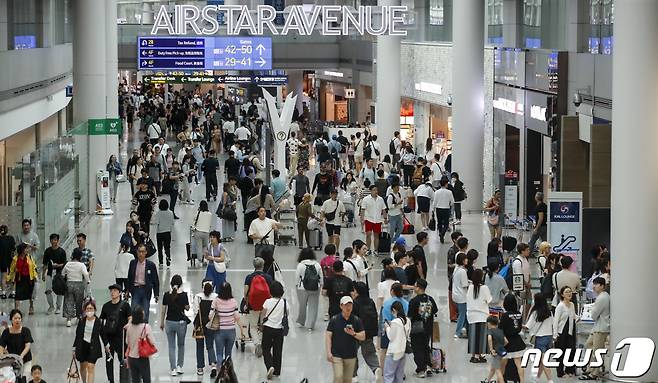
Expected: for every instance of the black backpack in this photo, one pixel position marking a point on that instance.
(311, 278)
(391, 147)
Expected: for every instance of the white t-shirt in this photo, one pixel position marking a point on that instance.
(358, 147)
(357, 272)
(460, 285)
(154, 131)
(384, 288)
(329, 206)
(242, 133)
(522, 267)
(436, 172)
(443, 199)
(477, 310)
(260, 227)
(229, 126)
(424, 190)
(274, 312)
(373, 208)
(203, 221)
(122, 265)
(395, 202)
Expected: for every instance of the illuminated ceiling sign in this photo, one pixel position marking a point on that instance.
(508, 106)
(428, 87)
(333, 74)
(538, 113)
(335, 20)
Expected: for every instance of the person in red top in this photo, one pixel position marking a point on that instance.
(327, 265)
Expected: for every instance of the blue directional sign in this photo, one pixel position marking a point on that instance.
(211, 53)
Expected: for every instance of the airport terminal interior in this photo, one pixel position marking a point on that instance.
(328, 191)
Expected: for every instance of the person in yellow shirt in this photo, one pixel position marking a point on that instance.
(23, 274)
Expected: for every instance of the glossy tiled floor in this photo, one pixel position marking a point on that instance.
(303, 351)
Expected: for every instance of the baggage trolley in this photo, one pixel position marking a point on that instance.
(287, 234)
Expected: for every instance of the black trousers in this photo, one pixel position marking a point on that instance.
(565, 341)
(442, 221)
(272, 348)
(140, 370)
(211, 187)
(420, 343)
(173, 198)
(164, 241)
(145, 220)
(408, 174)
(116, 347)
(298, 199)
(458, 210)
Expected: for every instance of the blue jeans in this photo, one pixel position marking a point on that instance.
(394, 369)
(461, 318)
(395, 226)
(176, 337)
(142, 297)
(209, 340)
(224, 343)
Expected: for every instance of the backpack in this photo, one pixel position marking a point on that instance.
(259, 292)
(509, 275)
(418, 176)
(311, 278)
(342, 287)
(318, 146)
(391, 147)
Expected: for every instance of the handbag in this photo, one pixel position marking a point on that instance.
(73, 374)
(493, 219)
(59, 284)
(150, 248)
(197, 333)
(121, 178)
(227, 372)
(262, 246)
(229, 214)
(215, 321)
(220, 267)
(145, 347)
(332, 216)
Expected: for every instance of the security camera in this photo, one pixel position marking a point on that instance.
(577, 99)
(449, 100)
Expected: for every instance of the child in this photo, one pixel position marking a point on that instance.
(36, 374)
(497, 342)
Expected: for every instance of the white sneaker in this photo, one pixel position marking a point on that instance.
(174, 373)
(270, 373)
(179, 370)
(68, 323)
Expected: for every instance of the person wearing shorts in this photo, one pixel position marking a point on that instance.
(333, 211)
(373, 213)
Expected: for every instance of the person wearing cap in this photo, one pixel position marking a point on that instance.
(115, 314)
(332, 214)
(344, 332)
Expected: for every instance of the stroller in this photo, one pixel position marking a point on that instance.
(11, 369)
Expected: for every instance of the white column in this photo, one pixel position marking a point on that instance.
(111, 59)
(468, 98)
(387, 108)
(513, 25)
(3, 25)
(147, 12)
(634, 138)
(89, 70)
(354, 102)
(296, 85)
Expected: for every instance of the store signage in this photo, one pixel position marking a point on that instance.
(212, 53)
(508, 106)
(104, 126)
(350, 93)
(262, 80)
(333, 74)
(428, 87)
(335, 20)
(565, 225)
(538, 113)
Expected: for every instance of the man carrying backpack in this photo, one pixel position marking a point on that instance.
(422, 309)
(364, 308)
(337, 287)
(309, 284)
(523, 267)
(256, 292)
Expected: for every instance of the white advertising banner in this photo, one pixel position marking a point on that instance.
(565, 218)
(103, 205)
(511, 201)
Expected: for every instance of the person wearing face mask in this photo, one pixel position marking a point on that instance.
(87, 345)
(173, 318)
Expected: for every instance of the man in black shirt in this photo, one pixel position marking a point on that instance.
(7, 248)
(115, 314)
(150, 184)
(336, 288)
(144, 200)
(54, 259)
(419, 254)
(323, 183)
(344, 332)
(422, 309)
(539, 230)
(209, 167)
(232, 165)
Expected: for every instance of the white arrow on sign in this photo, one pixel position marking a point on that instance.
(261, 61)
(144, 63)
(260, 48)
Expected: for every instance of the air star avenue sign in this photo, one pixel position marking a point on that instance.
(213, 53)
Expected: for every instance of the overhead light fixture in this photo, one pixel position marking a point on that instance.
(333, 74)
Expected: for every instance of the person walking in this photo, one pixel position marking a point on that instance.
(601, 328)
(460, 195)
(223, 318)
(397, 331)
(540, 227)
(209, 168)
(17, 339)
(115, 315)
(137, 329)
(309, 284)
(87, 347)
(54, 259)
(511, 321)
(142, 281)
(492, 209)
(373, 213)
(144, 200)
(442, 202)
(395, 202)
(274, 319)
(7, 249)
(174, 322)
(422, 310)
(164, 223)
(216, 256)
(459, 293)
(202, 334)
(77, 279)
(540, 327)
(366, 310)
(23, 274)
(176, 177)
(304, 213)
(478, 298)
(113, 168)
(332, 212)
(201, 229)
(564, 329)
(228, 209)
(344, 332)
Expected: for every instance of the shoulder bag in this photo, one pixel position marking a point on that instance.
(332, 216)
(220, 267)
(215, 321)
(73, 373)
(262, 323)
(144, 345)
(197, 333)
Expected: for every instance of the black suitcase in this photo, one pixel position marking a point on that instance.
(384, 247)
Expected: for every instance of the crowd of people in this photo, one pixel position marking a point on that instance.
(356, 184)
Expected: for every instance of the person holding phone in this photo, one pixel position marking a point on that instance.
(344, 332)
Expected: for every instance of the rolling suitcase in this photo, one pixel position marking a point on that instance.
(384, 247)
(315, 239)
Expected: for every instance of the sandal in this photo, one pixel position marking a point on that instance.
(586, 377)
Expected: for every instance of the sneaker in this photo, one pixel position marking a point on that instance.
(3, 296)
(174, 373)
(213, 373)
(259, 352)
(12, 295)
(199, 371)
(51, 309)
(58, 311)
(326, 317)
(270, 372)
(458, 222)
(179, 370)
(68, 323)
(420, 374)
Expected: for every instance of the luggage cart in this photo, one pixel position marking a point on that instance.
(287, 234)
